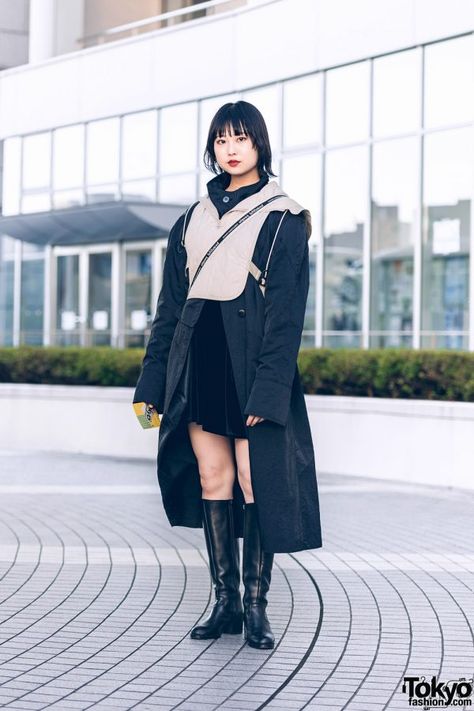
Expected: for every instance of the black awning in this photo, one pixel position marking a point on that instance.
(113, 221)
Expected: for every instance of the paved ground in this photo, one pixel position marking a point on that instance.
(98, 594)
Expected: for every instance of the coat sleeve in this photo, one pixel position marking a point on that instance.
(151, 383)
(286, 294)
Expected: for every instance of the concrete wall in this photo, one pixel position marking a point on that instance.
(415, 441)
(260, 44)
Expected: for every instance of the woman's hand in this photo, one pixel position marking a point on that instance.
(253, 420)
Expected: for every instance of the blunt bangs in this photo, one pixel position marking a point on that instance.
(239, 118)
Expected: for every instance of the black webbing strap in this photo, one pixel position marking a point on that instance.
(228, 231)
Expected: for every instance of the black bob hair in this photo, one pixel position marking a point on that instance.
(244, 118)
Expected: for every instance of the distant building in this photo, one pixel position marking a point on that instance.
(370, 108)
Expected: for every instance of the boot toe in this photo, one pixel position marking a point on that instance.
(265, 642)
(203, 633)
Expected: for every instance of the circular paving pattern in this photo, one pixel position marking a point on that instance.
(98, 595)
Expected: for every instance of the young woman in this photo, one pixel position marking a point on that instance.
(235, 453)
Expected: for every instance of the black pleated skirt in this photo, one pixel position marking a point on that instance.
(212, 397)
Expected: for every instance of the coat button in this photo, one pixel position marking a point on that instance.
(241, 312)
(226, 198)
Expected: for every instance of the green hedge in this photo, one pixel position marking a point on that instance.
(386, 372)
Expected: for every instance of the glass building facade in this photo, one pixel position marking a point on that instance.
(380, 151)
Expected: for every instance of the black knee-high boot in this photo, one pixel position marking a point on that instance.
(257, 573)
(223, 551)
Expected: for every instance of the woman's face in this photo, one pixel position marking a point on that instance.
(235, 153)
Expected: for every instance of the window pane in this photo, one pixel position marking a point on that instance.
(267, 102)
(394, 225)
(32, 294)
(302, 127)
(102, 193)
(7, 266)
(100, 293)
(204, 178)
(67, 300)
(36, 202)
(137, 296)
(68, 165)
(449, 81)
(139, 143)
(345, 205)
(397, 93)
(140, 190)
(347, 104)
(301, 179)
(178, 138)
(178, 189)
(447, 206)
(11, 176)
(208, 108)
(308, 339)
(103, 151)
(68, 198)
(37, 161)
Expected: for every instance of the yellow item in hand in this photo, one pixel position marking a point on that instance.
(147, 415)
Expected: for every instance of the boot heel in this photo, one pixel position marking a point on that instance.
(235, 626)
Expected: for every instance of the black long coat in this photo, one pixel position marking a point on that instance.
(263, 335)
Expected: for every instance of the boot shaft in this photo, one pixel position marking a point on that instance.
(257, 563)
(222, 546)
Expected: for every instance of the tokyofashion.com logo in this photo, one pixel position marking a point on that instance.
(429, 693)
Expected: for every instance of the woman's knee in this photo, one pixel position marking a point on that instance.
(216, 474)
(215, 462)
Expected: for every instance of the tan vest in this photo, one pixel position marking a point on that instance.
(224, 275)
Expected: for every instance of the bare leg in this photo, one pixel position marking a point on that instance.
(216, 464)
(243, 468)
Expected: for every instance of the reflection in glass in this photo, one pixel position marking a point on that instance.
(67, 301)
(394, 224)
(139, 190)
(37, 161)
(446, 235)
(7, 268)
(100, 295)
(180, 189)
(68, 198)
(103, 151)
(139, 142)
(68, 157)
(137, 296)
(347, 103)
(308, 339)
(102, 193)
(11, 176)
(301, 178)
(397, 95)
(449, 78)
(302, 127)
(267, 102)
(208, 108)
(345, 200)
(36, 202)
(32, 294)
(178, 138)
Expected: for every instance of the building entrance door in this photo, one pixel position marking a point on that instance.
(83, 296)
